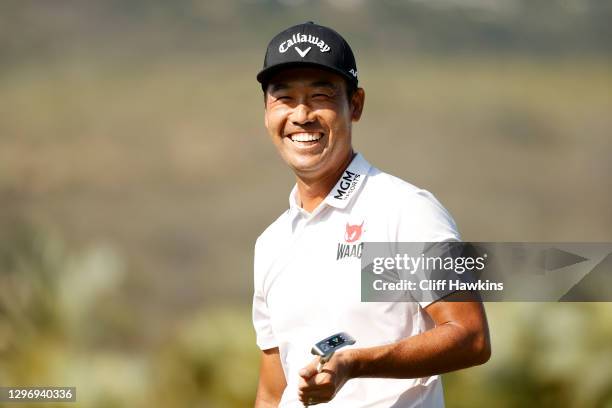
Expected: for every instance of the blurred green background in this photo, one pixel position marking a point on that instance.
(135, 175)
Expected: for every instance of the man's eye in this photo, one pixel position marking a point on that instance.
(321, 96)
(283, 98)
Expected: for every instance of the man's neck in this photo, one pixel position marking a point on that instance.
(311, 192)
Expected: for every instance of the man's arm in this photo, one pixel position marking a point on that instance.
(272, 381)
(459, 340)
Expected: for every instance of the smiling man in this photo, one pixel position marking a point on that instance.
(307, 263)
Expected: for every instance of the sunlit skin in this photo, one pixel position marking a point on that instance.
(312, 102)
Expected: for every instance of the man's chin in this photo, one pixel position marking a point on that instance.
(305, 166)
(303, 161)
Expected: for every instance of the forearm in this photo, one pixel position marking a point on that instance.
(261, 402)
(268, 398)
(272, 380)
(447, 347)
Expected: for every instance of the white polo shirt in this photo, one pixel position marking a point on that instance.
(308, 276)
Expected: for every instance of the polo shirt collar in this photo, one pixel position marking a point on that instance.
(349, 183)
(346, 187)
(293, 201)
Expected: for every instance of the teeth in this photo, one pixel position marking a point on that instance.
(305, 137)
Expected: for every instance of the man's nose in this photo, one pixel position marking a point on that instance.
(301, 114)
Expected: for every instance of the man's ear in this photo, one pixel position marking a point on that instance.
(357, 101)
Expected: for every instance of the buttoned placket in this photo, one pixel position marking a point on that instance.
(302, 218)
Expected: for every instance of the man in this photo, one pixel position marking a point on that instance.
(307, 263)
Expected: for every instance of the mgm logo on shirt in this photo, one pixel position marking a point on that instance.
(350, 248)
(347, 185)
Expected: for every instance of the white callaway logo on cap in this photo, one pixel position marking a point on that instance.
(300, 38)
(302, 53)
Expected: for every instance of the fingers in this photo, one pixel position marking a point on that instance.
(315, 397)
(311, 401)
(316, 382)
(319, 388)
(310, 370)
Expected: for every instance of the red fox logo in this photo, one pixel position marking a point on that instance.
(353, 232)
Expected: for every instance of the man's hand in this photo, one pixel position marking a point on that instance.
(315, 388)
(459, 340)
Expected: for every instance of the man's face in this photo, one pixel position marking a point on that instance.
(308, 116)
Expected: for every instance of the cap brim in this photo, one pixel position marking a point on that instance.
(264, 75)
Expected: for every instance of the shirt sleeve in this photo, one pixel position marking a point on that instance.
(261, 314)
(424, 219)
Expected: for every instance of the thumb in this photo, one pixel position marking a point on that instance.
(310, 370)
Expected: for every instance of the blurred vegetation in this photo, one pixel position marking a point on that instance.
(135, 175)
(63, 320)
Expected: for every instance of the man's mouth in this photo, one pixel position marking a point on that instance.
(305, 136)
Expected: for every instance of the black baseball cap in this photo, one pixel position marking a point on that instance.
(309, 44)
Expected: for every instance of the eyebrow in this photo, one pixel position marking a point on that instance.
(323, 84)
(278, 87)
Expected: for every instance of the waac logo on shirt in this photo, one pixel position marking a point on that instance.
(353, 232)
(351, 235)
